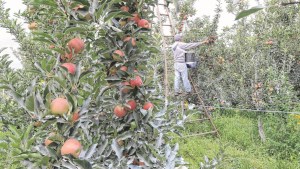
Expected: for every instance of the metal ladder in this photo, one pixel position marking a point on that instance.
(167, 30)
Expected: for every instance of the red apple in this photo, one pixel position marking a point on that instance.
(76, 44)
(136, 18)
(32, 26)
(71, 67)
(136, 82)
(132, 40)
(125, 90)
(147, 106)
(59, 106)
(47, 142)
(120, 111)
(125, 8)
(71, 146)
(143, 23)
(132, 104)
(75, 116)
(119, 52)
(123, 68)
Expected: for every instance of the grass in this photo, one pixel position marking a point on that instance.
(239, 140)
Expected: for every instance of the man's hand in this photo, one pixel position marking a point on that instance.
(206, 41)
(209, 40)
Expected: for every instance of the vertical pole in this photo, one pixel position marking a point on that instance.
(164, 45)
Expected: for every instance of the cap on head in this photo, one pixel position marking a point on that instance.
(177, 37)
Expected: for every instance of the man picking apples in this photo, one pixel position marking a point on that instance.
(179, 49)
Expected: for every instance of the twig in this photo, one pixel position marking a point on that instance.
(289, 3)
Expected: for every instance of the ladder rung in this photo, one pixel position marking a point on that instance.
(162, 4)
(166, 25)
(201, 134)
(165, 14)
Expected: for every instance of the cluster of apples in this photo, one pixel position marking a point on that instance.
(121, 111)
(72, 146)
(61, 106)
(142, 23)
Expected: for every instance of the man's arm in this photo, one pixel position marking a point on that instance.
(186, 46)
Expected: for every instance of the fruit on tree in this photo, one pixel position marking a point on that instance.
(132, 104)
(52, 46)
(136, 18)
(79, 6)
(120, 142)
(269, 42)
(120, 111)
(123, 68)
(147, 106)
(37, 124)
(47, 142)
(67, 56)
(122, 22)
(117, 54)
(72, 147)
(59, 106)
(32, 26)
(143, 23)
(125, 90)
(132, 40)
(76, 44)
(125, 8)
(136, 82)
(75, 116)
(70, 67)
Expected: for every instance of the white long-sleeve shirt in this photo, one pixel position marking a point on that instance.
(179, 50)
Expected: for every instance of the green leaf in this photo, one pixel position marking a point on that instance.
(29, 103)
(43, 40)
(46, 35)
(101, 10)
(60, 81)
(92, 150)
(43, 2)
(248, 12)
(27, 133)
(83, 163)
(75, 29)
(117, 149)
(117, 14)
(14, 130)
(125, 135)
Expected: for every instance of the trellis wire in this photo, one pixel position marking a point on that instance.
(249, 110)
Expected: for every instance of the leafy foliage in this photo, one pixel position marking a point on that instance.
(94, 90)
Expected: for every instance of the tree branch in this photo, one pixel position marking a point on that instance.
(289, 3)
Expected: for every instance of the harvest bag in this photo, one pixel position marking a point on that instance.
(190, 60)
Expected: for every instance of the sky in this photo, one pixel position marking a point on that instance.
(204, 7)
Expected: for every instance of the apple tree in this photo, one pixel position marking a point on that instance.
(90, 92)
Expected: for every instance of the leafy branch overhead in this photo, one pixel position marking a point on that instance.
(255, 9)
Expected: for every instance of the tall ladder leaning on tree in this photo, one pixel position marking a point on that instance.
(167, 30)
